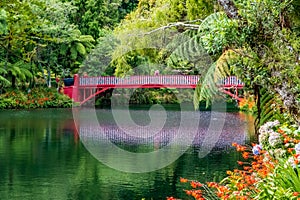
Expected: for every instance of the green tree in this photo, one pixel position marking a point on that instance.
(92, 16)
(39, 37)
(255, 40)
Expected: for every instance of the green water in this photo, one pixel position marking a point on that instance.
(42, 157)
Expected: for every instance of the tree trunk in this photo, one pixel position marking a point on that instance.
(258, 117)
(13, 81)
(229, 8)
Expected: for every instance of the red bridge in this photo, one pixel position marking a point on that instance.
(85, 88)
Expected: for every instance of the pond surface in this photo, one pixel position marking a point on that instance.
(44, 156)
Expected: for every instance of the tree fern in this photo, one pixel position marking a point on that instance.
(207, 87)
(191, 46)
(20, 70)
(3, 80)
(268, 109)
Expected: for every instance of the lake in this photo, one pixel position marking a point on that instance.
(44, 154)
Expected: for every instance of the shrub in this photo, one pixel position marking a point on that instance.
(36, 98)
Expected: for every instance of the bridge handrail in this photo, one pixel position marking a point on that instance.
(153, 80)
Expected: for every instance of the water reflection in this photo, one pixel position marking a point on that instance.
(41, 157)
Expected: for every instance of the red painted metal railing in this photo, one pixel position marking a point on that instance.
(103, 83)
(175, 81)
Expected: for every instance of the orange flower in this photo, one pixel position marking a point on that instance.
(246, 155)
(229, 172)
(240, 162)
(212, 184)
(286, 140)
(183, 180)
(240, 186)
(296, 194)
(188, 192)
(195, 184)
(240, 148)
(280, 131)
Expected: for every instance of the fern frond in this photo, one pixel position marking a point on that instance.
(2, 70)
(207, 22)
(80, 48)
(20, 69)
(207, 89)
(268, 110)
(190, 46)
(4, 81)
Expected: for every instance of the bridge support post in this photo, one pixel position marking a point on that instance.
(76, 88)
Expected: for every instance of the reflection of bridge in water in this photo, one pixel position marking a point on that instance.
(127, 145)
(143, 136)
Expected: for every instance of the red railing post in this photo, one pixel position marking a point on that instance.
(76, 88)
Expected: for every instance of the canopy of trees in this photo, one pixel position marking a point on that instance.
(41, 37)
(255, 40)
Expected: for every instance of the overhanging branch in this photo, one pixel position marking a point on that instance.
(179, 25)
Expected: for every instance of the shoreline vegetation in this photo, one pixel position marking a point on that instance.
(43, 97)
(35, 98)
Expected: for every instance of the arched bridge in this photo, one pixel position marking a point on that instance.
(84, 87)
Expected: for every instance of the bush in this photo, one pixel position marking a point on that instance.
(36, 98)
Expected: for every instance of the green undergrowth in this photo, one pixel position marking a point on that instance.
(35, 98)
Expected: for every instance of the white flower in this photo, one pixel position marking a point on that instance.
(291, 162)
(265, 132)
(275, 139)
(297, 148)
(279, 153)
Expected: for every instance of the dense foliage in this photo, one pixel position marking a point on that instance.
(40, 38)
(48, 39)
(255, 40)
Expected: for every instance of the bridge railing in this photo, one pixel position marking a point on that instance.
(231, 81)
(167, 80)
(164, 80)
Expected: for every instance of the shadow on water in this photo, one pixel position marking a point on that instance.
(42, 157)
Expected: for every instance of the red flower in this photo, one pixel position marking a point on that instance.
(171, 198)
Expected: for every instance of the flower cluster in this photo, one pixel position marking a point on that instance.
(267, 169)
(265, 131)
(256, 150)
(36, 98)
(247, 104)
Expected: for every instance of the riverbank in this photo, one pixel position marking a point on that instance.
(42, 97)
(35, 98)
